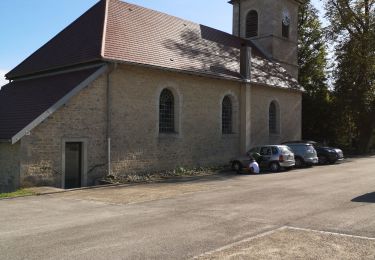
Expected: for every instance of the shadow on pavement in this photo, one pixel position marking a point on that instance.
(368, 198)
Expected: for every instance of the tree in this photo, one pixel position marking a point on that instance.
(312, 61)
(352, 28)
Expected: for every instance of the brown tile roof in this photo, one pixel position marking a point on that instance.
(139, 35)
(142, 36)
(23, 101)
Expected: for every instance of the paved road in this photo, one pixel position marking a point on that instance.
(181, 220)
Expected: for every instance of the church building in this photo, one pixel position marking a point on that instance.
(128, 90)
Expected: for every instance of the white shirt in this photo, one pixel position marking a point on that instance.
(255, 167)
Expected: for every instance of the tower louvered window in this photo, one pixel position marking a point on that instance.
(252, 24)
(227, 120)
(285, 31)
(166, 112)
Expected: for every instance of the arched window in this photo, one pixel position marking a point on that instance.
(273, 118)
(166, 112)
(227, 116)
(252, 24)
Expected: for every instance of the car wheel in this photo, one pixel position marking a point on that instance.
(299, 162)
(274, 167)
(237, 167)
(332, 162)
(322, 159)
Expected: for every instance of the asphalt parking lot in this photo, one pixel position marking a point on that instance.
(324, 212)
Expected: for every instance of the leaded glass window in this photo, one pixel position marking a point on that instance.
(273, 118)
(227, 115)
(166, 112)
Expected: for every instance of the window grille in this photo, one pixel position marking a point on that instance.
(227, 120)
(252, 24)
(166, 112)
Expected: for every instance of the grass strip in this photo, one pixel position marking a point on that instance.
(18, 193)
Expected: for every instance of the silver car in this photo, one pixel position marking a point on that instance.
(304, 154)
(272, 157)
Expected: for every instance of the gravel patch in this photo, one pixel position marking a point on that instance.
(162, 175)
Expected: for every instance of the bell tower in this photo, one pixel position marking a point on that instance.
(272, 25)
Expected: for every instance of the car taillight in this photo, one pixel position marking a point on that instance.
(281, 158)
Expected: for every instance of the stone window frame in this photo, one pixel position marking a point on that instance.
(235, 113)
(177, 110)
(84, 166)
(277, 123)
(248, 33)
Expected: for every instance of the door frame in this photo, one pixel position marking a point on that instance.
(83, 142)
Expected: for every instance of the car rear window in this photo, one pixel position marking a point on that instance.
(310, 148)
(265, 151)
(285, 149)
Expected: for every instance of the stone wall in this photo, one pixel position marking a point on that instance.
(290, 109)
(82, 118)
(9, 167)
(137, 145)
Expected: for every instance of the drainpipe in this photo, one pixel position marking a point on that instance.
(245, 62)
(239, 18)
(109, 118)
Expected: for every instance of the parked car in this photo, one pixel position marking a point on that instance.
(271, 157)
(325, 154)
(304, 154)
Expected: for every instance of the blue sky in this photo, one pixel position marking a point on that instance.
(26, 25)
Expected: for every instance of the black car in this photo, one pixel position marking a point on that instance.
(325, 154)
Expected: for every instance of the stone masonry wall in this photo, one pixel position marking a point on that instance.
(137, 146)
(136, 143)
(9, 167)
(84, 118)
(290, 109)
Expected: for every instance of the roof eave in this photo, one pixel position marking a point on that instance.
(300, 90)
(190, 72)
(201, 74)
(71, 66)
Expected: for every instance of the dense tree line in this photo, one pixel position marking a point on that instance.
(344, 112)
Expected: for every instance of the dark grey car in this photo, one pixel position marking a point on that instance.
(304, 154)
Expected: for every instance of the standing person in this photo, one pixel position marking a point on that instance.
(253, 166)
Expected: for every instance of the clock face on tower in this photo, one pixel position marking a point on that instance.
(286, 17)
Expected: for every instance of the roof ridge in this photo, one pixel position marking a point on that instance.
(104, 35)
